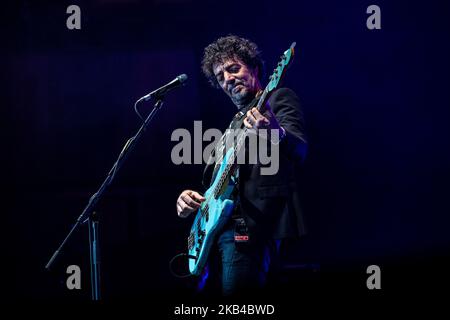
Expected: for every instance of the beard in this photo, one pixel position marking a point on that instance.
(242, 97)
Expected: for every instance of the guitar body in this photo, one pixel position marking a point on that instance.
(210, 219)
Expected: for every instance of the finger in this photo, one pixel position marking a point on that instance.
(247, 124)
(192, 202)
(190, 198)
(184, 214)
(250, 117)
(189, 201)
(185, 206)
(259, 124)
(197, 196)
(179, 210)
(256, 114)
(263, 122)
(251, 121)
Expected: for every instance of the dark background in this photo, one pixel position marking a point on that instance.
(376, 106)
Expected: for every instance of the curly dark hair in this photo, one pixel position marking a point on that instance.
(231, 47)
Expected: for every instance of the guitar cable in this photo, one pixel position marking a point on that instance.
(173, 259)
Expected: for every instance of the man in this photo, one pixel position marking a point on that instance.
(267, 207)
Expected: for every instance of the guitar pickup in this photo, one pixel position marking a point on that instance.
(192, 257)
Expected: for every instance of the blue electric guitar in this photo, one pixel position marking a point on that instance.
(218, 206)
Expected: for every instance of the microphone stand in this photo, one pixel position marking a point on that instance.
(88, 214)
(94, 256)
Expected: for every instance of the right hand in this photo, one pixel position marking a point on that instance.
(188, 202)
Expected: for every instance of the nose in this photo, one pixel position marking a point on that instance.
(228, 78)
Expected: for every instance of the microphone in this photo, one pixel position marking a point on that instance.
(159, 93)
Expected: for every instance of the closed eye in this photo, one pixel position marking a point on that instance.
(234, 68)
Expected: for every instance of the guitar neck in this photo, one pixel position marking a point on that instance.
(261, 106)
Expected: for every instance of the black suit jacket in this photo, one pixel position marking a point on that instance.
(270, 204)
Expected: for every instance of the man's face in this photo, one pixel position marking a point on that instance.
(238, 81)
